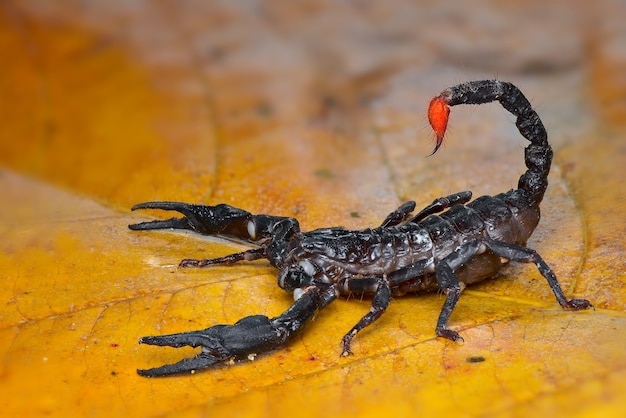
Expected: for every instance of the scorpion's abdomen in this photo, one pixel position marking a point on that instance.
(334, 255)
(507, 217)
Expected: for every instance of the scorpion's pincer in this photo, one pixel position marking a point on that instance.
(244, 339)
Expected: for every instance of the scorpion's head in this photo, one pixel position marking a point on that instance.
(282, 240)
(294, 277)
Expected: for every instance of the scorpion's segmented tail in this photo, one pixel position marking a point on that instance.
(538, 155)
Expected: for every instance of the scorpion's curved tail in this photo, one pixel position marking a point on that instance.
(538, 155)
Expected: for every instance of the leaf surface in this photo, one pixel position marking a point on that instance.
(305, 111)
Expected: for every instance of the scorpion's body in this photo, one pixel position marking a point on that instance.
(339, 256)
(462, 245)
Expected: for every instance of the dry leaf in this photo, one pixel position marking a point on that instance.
(305, 111)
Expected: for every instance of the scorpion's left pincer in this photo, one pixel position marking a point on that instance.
(245, 339)
(220, 343)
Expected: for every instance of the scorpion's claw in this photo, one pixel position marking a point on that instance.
(248, 337)
(220, 219)
(193, 219)
(204, 219)
(176, 223)
(187, 365)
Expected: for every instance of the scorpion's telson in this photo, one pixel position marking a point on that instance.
(538, 154)
(438, 113)
(464, 244)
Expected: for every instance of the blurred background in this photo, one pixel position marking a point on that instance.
(238, 71)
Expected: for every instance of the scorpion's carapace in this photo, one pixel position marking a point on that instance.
(451, 243)
(438, 113)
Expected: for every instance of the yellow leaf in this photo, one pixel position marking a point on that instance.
(108, 106)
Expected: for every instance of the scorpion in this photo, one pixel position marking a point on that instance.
(449, 244)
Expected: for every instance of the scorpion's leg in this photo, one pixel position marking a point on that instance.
(249, 255)
(246, 338)
(409, 272)
(382, 296)
(402, 213)
(441, 204)
(380, 301)
(449, 283)
(527, 255)
(399, 215)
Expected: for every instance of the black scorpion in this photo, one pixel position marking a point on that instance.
(463, 245)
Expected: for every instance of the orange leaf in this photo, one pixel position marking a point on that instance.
(283, 112)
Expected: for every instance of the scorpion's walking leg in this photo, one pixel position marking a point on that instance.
(380, 302)
(449, 283)
(382, 296)
(402, 213)
(246, 338)
(527, 255)
(220, 220)
(441, 204)
(399, 215)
